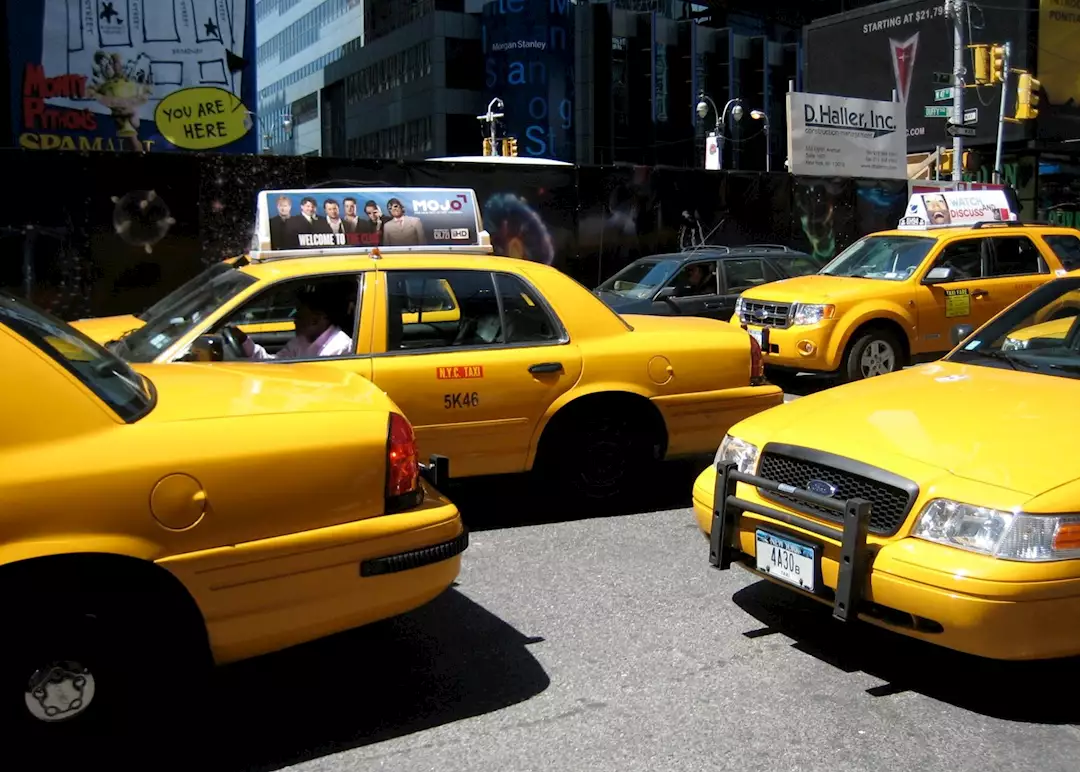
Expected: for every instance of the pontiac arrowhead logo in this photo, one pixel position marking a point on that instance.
(903, 62)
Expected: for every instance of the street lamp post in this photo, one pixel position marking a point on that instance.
(736, 108)
(758, 115)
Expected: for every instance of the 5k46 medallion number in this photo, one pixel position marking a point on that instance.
(470, 399)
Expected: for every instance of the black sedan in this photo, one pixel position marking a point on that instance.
(701, 282)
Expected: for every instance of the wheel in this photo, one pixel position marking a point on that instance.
(85, 672)
(874, 352)
(598, 458)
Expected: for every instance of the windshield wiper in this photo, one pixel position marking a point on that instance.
(1016, 364)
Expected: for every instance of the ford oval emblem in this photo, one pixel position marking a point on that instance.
(761, 313)
(822, 488)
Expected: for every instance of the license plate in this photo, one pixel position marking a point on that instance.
(755, 334)
(786, 560)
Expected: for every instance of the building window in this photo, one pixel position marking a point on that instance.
(302, 33)
(401, 141)
(394, 71)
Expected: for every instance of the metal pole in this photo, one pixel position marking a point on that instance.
(937, 166)
(768, 148)
(1001, 115)
(956, 8)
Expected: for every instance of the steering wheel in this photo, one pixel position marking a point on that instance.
(228, 336)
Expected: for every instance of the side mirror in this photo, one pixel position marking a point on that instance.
(938, 275)
(666, 294)
(959, 332)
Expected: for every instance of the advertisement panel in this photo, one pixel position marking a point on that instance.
(846, 137)
(329, 218)
(528, 50)
(1059, 29)
(904, 45)
(137, 75)
(956, 208)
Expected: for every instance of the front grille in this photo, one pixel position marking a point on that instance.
(890, 502)
(765, 314)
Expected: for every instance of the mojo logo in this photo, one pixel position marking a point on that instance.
(433, 205)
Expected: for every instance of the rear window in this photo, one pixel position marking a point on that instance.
(1067, 249)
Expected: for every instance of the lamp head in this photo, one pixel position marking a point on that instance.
(757, 115)
(702, 109)
(737, 112)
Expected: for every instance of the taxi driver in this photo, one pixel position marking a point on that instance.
(316, 333)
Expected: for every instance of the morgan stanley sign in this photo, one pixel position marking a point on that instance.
(830, 136)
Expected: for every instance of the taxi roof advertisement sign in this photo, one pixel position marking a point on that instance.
(343, 218)
(956, 209)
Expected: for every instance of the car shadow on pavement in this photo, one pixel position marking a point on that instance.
(446, 661)
(511, 501)
(1004, 690)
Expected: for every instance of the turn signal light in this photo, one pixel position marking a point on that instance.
(1067, 537)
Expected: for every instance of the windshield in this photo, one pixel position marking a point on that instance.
(1040, 334)
(184, 289)
(129, 394)
(797, 265)
(640, 279)
(893, 258)
(172, 323)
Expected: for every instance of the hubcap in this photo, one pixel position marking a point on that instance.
(877, 359)
(60, 692)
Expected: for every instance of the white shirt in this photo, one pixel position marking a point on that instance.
(332, 343)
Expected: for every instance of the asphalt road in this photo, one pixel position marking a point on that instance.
(582, 642)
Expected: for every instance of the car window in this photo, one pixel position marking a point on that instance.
(797, 266)
(1067, 249)
(526, 319)
(1015, 256)
(963, 257)
(103, 373)
(186, 289)
(455, 308)
(892, 258)
(640, 279)
(165, 328)
(279, 302)
(743, 273)
(697, 278)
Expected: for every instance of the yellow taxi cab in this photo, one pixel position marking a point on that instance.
(503, 365)
(159, 519)
(932, 502)
(892, 298)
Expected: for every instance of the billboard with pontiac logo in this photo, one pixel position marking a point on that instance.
(901, 45)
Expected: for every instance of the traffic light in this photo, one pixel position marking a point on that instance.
(997, 64)
(510, 148)
(969, 161)
(945, 162)
(489, 148)
(981, 54)
(1027, 97)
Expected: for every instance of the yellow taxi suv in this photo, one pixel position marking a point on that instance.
(921, 501)
(892, 298)
(502, 365)
(159, 519)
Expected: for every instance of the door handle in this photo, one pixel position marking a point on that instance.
(713, 304)
(546, 367)
(979, 293)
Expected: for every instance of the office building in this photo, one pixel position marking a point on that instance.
(295, 43)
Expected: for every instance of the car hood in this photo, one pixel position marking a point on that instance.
(979, 423)
(103, 329)
(817, 288)
(682, 325)
(191, 391)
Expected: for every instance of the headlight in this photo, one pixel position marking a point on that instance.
(812, 313)
(1012, 344)
(735, 451)
(738, 306)
(1005, 535)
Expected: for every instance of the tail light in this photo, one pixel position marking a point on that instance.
(757, 363)
(403, 489)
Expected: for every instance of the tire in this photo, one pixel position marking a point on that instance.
(86, 672)
(874, 352)
(598, 458)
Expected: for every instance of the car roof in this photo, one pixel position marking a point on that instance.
(300, 266)
(720, 252)
(987, 229)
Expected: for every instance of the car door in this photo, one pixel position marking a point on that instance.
(690, 298)
(477, 379)
(975, 292)
(739, 275)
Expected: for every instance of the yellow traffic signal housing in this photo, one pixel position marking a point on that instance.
(968, 163)
(1027, 97)
(489, 148)
(509, 146)
(981, 53)
(997, 64)
(945, 162)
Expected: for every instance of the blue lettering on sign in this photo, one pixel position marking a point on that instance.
(529, 64)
